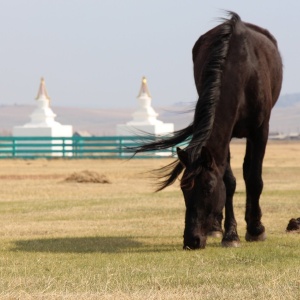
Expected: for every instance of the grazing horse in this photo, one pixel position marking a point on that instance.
(238, 76)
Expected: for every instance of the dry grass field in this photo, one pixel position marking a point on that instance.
(62, 239)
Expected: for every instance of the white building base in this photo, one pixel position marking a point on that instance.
(55, 131)
(144, 129)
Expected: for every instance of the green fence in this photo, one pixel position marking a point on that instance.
(75, 147)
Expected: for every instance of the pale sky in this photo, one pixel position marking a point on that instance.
(93, 53)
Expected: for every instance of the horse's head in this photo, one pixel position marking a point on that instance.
(204, 194)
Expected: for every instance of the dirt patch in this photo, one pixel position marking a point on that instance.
(294, 225)
(87, 176)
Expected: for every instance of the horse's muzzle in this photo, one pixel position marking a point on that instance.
(194, 243)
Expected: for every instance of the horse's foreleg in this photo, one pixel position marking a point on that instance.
(230, 237)
(252, 168)
(216, 228)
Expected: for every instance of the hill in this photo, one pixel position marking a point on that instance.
(95, 121)
(285, 116)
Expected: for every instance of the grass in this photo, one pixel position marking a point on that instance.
(67, 240)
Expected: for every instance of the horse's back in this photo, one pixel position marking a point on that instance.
(267, 58)
(251, 79)
(254, 57)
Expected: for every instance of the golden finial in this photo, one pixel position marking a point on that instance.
(144, 88)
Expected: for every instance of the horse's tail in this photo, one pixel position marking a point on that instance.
(168, 174)
(178, 137)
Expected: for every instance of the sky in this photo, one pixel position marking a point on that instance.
(93, 53)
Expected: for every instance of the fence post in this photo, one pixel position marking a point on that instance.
(13, 147)
(120, 146)
(63, 148)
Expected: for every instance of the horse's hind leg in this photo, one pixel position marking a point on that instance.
(230, 238)
(252, 170)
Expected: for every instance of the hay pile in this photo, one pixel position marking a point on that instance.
(87, 177)
(294, 225)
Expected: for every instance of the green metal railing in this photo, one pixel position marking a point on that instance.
(75, 147)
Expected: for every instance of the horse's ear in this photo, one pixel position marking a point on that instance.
(206, 157)
(183, 156)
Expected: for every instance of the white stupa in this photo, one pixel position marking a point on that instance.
(42, 119)
(145, 118)
(42, 124)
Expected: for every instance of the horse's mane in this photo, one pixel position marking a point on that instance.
(210, 86)
(199, 131)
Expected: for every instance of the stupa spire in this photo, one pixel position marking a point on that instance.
(42, 92)
(144, 119)
(144, 88)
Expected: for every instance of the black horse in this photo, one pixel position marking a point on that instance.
(238, 76)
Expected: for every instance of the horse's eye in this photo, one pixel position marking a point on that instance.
(208, 188)
(207, 192)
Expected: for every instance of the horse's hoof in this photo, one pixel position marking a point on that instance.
(293, 231)
(255, 238)
(231, 244)
(215, 234)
